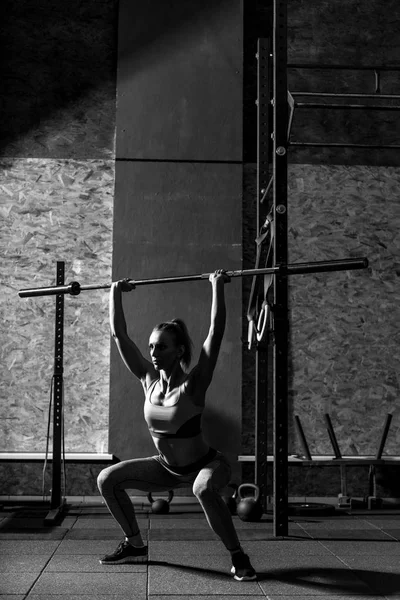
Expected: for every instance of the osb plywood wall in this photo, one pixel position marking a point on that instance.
(56, 193)
(344, 336)
(54, 210)
(345, 343)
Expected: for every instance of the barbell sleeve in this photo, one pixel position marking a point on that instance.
(75, 288)
(347, 264)
(72, 288)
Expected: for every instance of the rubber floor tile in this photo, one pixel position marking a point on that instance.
(384, 523)
(20, 563)
(97, 534)
(28, 547)
(356, 548)
(179, 515)
(113, 596)
(88, 564)
(384, 564)
(312, 581)
(200, 563)
(85, 509)
(104, 523)
(335, 525)
(379, 581)
(68, 584)
(181, 534)
(34, 534)
(190, 581)
(285, 547)
(17, 523)
(17, 583)
(266, 534)
(278, 596)
(166, 549)
(371, 535)
(243, 596)
(95, 547)
(172, 523)
(393, 533)
(272, 563)
(34, 523)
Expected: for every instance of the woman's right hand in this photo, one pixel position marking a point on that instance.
(126, 285)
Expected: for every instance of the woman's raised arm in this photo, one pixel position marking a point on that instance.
(130, 353)
(204, 370)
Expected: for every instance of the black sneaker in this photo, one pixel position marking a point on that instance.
(125, 553)
(242, 569)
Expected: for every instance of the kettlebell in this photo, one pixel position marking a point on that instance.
(230, 501)
(249, 508)
(161, 505)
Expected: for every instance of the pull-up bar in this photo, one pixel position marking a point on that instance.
(74, 288)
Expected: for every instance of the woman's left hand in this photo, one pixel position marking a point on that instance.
(219, 275)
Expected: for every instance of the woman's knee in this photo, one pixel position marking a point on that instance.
(104, 479)
(203, 489)
(211, 481)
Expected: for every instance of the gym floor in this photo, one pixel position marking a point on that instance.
(346, 555)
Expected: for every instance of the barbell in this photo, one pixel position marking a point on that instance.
(75, 288)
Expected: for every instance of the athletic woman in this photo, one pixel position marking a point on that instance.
(174, 403)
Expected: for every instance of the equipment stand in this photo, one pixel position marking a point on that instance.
(56, 502)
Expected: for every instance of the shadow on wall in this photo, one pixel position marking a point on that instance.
(59, 70)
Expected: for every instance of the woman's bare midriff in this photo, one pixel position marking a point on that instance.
(179, 452)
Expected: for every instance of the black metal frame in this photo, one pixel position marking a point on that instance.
(262, 348)
(278, 183)
(377, 96)
(281, 321)
(56, 502)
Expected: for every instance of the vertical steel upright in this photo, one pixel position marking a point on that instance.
(263, 177)
(56, 496)
(279, 157)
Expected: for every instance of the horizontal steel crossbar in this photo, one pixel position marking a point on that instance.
(327, 105)
(344, 67)
(375, 96)
(344, 145)
(75, 288)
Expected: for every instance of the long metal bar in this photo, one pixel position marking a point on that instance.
(343, 67)
(281, 320)
(345, 145)
(335, 95)
(341, 106)
(75, 288)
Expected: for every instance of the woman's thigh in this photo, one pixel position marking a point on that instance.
(216, 475)
(143, 474)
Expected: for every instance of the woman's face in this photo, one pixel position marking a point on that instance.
(164, 352)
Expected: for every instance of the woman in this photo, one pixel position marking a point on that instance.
(174, 402)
